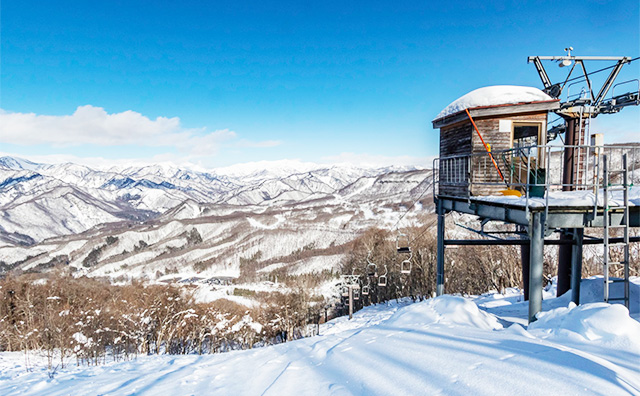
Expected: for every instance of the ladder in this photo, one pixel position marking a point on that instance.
(609, 187)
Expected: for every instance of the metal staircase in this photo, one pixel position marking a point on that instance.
(609, 212)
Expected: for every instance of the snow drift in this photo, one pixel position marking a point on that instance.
(602, 323)
(442, 346)
(445, 310)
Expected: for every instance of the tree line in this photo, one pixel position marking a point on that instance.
(85, 320)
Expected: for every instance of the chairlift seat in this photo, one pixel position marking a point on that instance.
(365, 290)
(372, 270)
(405, 267)
(404, 249)
(382, 281)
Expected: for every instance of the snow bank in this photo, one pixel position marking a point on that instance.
(448, 310)
(494, 96)
(380, 352)
(603, 323)
(592, 290)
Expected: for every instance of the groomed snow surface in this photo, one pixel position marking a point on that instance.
(443, 346)
(494, 96)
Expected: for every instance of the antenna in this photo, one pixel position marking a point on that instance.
(566, 62)
(592, 104)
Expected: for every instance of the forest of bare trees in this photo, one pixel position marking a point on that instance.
(84, 320)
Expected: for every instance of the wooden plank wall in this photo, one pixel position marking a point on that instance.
(461, 139)
(482, 168)
(455, 140)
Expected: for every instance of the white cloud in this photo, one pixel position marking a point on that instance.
(91, 125)
(88, 125)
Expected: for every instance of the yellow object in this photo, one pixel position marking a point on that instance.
(511, 192)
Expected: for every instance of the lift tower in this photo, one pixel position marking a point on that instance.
(577, 110)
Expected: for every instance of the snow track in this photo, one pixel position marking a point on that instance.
(442, 346)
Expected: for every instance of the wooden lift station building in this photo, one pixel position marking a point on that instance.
(497, 162)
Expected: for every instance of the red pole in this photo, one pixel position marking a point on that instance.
(486, 147)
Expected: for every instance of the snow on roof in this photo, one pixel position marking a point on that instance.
(493, 96)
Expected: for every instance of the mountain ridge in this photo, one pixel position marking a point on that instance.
(144, 192)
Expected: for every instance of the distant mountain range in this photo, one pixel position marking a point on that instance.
(145, 216)
(39, 201)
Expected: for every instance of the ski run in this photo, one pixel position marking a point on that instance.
(449, 345)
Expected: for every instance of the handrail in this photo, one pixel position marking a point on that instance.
(533, 169)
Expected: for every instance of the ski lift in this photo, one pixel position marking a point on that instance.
(382, 279)
(405, 266)
(365, 288)
(345, 291)
(372, 268)
(402, 243)
(356, 293)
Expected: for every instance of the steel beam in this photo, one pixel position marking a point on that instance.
(525, 242)
(350, 302)
(565, 260)
(440, 250)
(558, 216)
(536, 237)
(576, 58)
(525, 256)
(609, 82)
(576, 264)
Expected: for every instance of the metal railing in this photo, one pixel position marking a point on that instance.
(534, 171)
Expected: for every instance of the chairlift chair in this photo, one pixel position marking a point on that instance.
(345, 291)
(372, 268)
(382, 279)
(405, 267)
(402, 243)
(356, 293)
(365, 290)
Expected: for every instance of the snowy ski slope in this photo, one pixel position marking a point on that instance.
(441, 346)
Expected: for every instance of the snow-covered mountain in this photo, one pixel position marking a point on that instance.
(40, 201)
(158, 220)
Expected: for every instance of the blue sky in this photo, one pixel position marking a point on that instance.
(215, 83)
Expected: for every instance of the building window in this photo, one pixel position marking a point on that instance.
(526, 157)
(525, 135)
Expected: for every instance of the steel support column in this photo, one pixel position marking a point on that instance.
(565, 261)
(525, 256)
(568, 180)
(576, 264)
(536, 237)
(440, 250)
(350, 302)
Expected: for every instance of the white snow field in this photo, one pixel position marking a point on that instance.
(441, 346)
